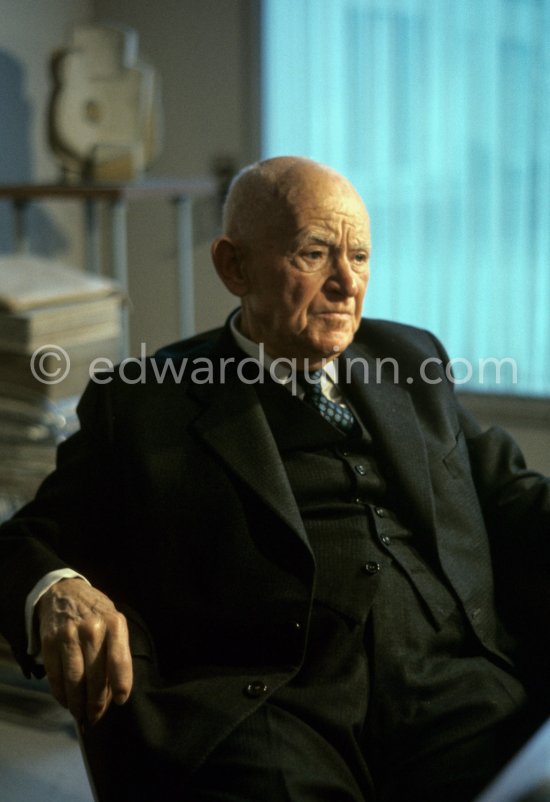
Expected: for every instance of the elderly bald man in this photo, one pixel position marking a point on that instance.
(278, 547)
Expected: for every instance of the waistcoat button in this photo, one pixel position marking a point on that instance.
(256, 689)
(371, 567)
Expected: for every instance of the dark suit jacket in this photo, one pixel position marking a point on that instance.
(174, 501)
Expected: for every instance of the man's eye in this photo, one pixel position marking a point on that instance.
(312, 259)
(360, 260)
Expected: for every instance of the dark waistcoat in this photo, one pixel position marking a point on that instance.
(388, 636)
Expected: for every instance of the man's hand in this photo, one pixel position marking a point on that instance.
(85, 649)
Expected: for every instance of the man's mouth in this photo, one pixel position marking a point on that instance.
(334, 313)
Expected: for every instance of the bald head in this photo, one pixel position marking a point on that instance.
(262, 196)
(295, 250)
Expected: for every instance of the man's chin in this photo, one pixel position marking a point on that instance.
(335, 344)
(325, 351)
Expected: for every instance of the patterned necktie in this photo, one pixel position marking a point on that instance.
(336, 414)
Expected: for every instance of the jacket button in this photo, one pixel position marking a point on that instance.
(371, 567)
(380, 511)
(361, 470)
(386, 540)
(256, 689)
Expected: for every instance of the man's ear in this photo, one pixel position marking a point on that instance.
(229, 266)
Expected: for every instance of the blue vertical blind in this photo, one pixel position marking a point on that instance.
(439, 112)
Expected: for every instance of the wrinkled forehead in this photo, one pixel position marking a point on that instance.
(330, 211)
(323, 201)
(275, 198)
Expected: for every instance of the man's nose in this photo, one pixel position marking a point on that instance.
(343, 276)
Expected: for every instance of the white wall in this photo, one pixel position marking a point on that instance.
(204, 52)
(30, 30)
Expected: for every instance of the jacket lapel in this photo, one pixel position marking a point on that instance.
(235, 427)
(388, 412)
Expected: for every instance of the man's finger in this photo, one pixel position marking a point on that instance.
(72, 668)
(54, 670)
(118, 663)
(108, 663)
(98, 693)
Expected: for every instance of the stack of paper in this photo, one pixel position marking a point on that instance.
(56, 322)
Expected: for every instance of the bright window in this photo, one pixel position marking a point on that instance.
(439, 112)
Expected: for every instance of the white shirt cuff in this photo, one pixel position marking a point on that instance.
(33, 644)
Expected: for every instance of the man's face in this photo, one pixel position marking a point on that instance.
(306, 275)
